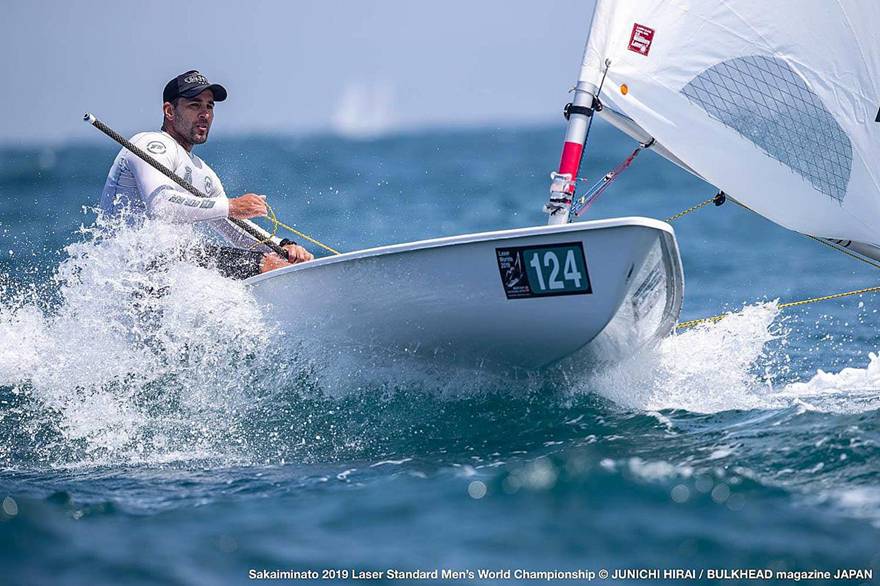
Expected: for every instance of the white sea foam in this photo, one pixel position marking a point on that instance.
(132, 362)
(711, 367)
(861, 501)
(852, 390)
(658, 470)
(726, 365)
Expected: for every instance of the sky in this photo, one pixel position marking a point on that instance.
(289, 66)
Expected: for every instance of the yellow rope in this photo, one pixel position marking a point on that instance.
(828, 297)
(694, 322)
(820, 241)
(274, 219)
(276, 222)
(716, 318)
(690, 209)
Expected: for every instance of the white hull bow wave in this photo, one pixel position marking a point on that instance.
(498, 301)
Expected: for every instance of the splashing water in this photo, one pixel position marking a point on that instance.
(135, 365)
(706, 369)
(852, 390)
(130, 362)
(728, 365)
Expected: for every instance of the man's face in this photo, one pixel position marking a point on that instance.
(193, 117)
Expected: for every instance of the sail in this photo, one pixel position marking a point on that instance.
(775, 103)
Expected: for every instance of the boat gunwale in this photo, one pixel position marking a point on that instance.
(496, 235)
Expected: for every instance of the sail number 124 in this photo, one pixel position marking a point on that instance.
(544, 270)
(550, 261)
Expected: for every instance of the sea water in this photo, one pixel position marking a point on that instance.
(194, 447)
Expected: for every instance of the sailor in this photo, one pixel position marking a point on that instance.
(138, 190)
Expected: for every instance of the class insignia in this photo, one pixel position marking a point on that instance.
(157, 147)
(188, 175)
(209, 185)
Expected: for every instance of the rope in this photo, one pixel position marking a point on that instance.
(309, 238)
(820, 241)
(694, 322)
(716, 318)
(720, 199)
(276, 222)
(683, 213)
(829, 297)
(274, 219)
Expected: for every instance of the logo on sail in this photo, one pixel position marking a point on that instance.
(640, 39)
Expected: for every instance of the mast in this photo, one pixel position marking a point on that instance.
(579, 113)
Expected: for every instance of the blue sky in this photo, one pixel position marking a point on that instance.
(287, 65)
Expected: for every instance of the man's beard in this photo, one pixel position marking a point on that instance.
(195, 138)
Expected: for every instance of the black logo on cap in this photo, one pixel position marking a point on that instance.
(196, 78)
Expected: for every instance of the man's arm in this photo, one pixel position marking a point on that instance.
(234, 235)
(242, 264)
(162, 197)
(247, 206)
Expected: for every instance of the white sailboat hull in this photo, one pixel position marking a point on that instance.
(460, 300)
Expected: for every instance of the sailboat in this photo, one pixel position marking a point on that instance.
(364, 111)
(775, 104)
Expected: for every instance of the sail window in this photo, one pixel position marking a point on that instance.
(765, 101)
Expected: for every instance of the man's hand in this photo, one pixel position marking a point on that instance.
(296, 254)
(249, 205)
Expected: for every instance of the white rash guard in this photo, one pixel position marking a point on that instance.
(137, 187)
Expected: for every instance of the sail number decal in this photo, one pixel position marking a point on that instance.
(543, 270)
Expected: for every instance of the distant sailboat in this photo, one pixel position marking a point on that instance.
(364, 111)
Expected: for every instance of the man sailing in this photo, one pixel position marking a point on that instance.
(135, 186)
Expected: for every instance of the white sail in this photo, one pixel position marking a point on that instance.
(776, 103)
